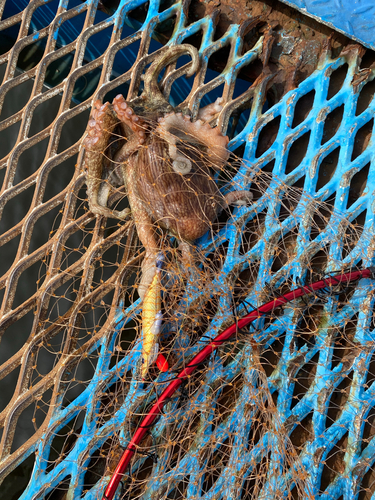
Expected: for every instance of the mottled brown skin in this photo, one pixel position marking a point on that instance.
(185, 205)
(102, 173)
(163, 159)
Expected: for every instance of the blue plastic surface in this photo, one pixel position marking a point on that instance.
(356, 19)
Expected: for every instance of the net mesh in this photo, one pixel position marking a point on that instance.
(285, 408)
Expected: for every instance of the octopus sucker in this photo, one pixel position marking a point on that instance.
(165, 161)
(173, 128)
(100, 173)
(130, 122)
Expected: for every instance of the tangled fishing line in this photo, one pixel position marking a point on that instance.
(200, 300)
(265, 329)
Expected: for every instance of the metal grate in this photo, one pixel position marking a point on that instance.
(73, 364)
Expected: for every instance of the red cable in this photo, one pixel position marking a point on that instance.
(205, 352)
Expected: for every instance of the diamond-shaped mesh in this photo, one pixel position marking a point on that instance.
(286, 409)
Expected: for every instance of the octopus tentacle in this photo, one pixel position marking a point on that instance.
(181, 164)
(239, 198)
(151, 87)
(99, 131)
(127, 116)
(174, 127)
(145, 228)
(208, 112)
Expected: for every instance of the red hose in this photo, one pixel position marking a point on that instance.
(206, 351)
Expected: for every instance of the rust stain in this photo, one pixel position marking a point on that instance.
(293, 43)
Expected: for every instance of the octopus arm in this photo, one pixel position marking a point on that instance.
(174, 128)
(96, 142)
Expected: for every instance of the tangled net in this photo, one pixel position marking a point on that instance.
(229, 430)
(284, 408)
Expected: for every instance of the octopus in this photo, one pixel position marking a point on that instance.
(165, 161)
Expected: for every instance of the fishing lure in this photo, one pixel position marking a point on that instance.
(152, 319)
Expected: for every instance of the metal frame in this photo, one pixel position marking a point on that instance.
(102, 342)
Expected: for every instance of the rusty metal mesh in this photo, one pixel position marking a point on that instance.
(65, 314)
(80, 265)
